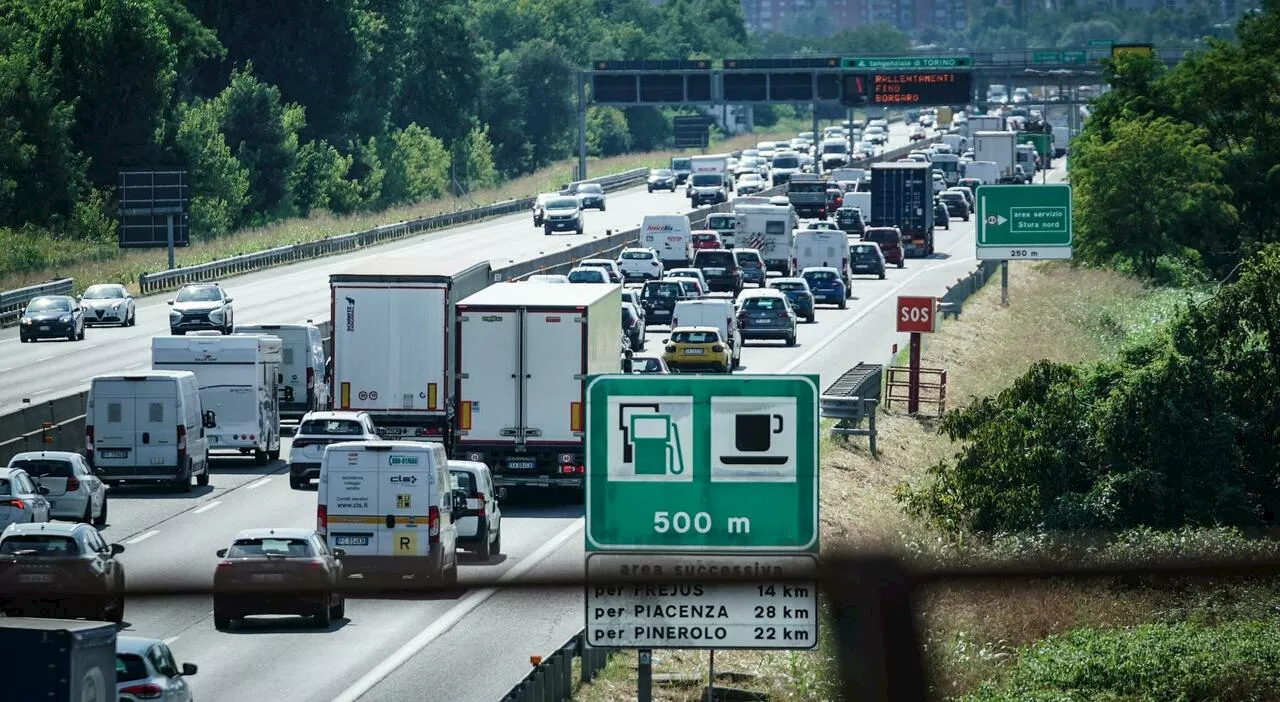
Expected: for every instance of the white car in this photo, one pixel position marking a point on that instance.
(695, 273)
(589, 275)
(108, 303)
(639, 264)
(146, 670)
(21, 500)
(75, 493)
(822, 224)
(547, 278)
(316, 431)
(615, 274)
(749, 183)
(480, 523)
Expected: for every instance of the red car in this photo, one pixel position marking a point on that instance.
(707, 239)
(835, 198)
(890, 241)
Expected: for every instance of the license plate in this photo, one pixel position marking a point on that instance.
(268, 577)
(106, 453)
(44, 327)
(350, 541)
(35, 578)
(695, 352)
(157, 461)
(522, 464)
(391, 431)
(214, 438)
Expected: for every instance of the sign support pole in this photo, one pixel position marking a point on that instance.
(1004, 283)
(913, 377)
(644, 682)
(711, 677)
(817, 162)
(169, 227)
(582, 127)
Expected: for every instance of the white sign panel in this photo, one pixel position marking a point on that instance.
(772, 611)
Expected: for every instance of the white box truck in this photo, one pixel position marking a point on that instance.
(239, 379)
(986, 171)
(822, 248)
(394, 355)
(860, 200)
(1000, 147)
(710, 181)
(524, 354)
(983, 123)
(669, 235)
(304, 387)
(767, 229)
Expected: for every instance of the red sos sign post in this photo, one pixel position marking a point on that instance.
(916, 316)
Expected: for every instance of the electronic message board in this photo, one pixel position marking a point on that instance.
(931, 88)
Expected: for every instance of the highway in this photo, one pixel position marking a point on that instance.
(469, 645)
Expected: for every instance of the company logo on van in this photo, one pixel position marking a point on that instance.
(403, 460)
(659, 228)
(410, 479)
(351, 314)
(491, 318)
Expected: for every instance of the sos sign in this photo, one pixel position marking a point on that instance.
(916, 314)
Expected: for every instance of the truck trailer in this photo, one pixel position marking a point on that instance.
(59, 659)
(393, 352)
(525, 352)
(902, 197)
(999, 147)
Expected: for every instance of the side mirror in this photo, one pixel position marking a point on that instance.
(42, 490)
(230, 300)
(222, 553)
(169, 302)
(210, 420)
(189, 669)
(117, 549)
(339, 552)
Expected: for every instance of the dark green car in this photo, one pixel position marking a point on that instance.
(798, 294)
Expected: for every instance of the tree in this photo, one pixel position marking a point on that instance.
(219, 183)
(262, 133)
(607, 133)
(472, 160)
(318, 180)
(416, 164)
(443, 66)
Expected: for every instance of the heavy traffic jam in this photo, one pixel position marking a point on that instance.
(433, 394)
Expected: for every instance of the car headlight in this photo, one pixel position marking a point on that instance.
(64, 318)
(115, 306)
(25, 321)
(175, 314)
(215, 316)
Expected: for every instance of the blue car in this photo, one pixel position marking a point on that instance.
(798, 294)
(826, 285)
(752, 266)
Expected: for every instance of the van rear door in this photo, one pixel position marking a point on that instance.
(350, 501)
(554, 367)
(114, 438)
(404, 497)
(155, 422)
(488, 365)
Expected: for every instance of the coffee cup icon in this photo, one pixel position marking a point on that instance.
(752, 436)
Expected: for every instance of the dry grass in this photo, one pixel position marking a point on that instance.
(1054, 312)
(109, 264)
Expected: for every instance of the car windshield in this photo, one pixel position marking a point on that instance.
(662, 172)
(680, 163)
(593, 275)
(786, 162)
(48, 304)
(838, 148)
(605, 265)
(721, 222)
(706, 180)
(203, 293)
(44, 467)
(103, 292)
(256, 548)
(747, 260)
(821, 276)
(788, 286)
(956, 197)
(882, 236)
(590, 189)
(765, 303)
(809, 187)
(713, 258)
(682, 274)
(48, 545)
(337, 427)
(695, 337)
(655, 290)
(636, 255)
(749, 178)
(863, 252)
(129, 667)
(562, 203)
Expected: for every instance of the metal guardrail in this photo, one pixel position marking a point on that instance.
(933, 387)
(852, 398)
(551, 679)
(12, 302)
(952, 301)
(155, 282)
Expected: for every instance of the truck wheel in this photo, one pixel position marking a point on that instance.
(259, 457)
(184, 480)
(273, 455)
(902, 264)
(297, 482)
(203, 479)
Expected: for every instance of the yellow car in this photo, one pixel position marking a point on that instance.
(696, 348)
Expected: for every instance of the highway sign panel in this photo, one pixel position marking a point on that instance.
(1024, 222)
(702, 463)
(777, 609)
(917, 315)
(1045, 57)
(906, 62)
(1075, 56)
(1101, 42)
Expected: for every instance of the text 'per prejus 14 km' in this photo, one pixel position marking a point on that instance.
(702, 463)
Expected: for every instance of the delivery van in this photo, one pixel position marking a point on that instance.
(304, 387)
(717, 312)
(389, 505)
(147, 427)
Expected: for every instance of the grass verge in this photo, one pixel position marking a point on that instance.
(972, 635)
(93, 262)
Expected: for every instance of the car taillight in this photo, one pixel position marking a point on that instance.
(17, 504)
(145, 691)
(671, 348)
(301, 443)
(224, 565)
(73, 484)
(182, 445)
(433, 525)
(782, 313)
(479, 496)
(322, 519)
(717, 348)
(88, 443)
(315, 564)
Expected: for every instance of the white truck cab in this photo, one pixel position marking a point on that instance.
(304, 387)
(389, 505)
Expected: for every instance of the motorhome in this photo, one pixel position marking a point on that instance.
(305, 387)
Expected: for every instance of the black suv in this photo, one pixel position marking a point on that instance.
(849, 219)
(957, 204)
(720, 268)
(61, 570)
(659, 298)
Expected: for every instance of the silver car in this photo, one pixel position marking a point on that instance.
(21, 500)
(146, 670)
(108, 303)
(75, 493)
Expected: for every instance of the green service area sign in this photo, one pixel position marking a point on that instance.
(1024, 222)
(702, 463)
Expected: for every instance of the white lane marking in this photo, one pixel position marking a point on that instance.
(42, 359)
(136, 366)
(6, 370)
(206, 508)
(142, 537)
(169, 641)
(258, 484)
(455, 614)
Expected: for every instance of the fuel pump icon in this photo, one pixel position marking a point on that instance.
(655, 442)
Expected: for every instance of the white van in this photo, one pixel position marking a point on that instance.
(480, 522)
(822, 248)
(715, 312)
(304, 387)
(147, 427)
(669, 235)
(390, 506)
(239, 377)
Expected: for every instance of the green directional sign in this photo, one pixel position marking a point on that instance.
(1105, 43)
(702, 463)
(1075, 57)
(904, 63)
(1024, 222)
(1046, 57)
(1043, 143)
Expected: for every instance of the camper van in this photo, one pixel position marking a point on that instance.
(239, 379)
(147, 427)
(304, 387)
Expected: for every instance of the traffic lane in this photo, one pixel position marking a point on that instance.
(488, 652)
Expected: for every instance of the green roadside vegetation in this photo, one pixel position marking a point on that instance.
(1121, 410)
